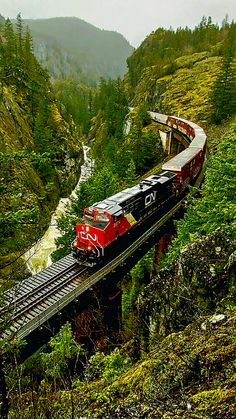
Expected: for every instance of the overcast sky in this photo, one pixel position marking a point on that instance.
(135, 19)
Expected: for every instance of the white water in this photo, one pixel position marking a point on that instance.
(39, 256)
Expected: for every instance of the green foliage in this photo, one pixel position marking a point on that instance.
(110, 107)
(142, 144)
(216, 208)
(17, 62)
(162, 47)
(77, 100)
(193, 369)
(146, 150)
(130, 175)
(40, 159)
(136, 151)
(107, 367)
(143, 268)
(223, 95)
(63, 349)
(190, 374)
(50, 369)
(42, 133)
(9, 221)
(111, 104)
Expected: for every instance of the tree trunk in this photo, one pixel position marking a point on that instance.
(3, 392)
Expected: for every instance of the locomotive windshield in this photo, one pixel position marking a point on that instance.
(97, 220)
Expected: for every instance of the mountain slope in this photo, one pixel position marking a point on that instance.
(69, 47)
(175, 71)
(40, 153)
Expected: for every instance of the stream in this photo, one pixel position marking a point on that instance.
(39, 256)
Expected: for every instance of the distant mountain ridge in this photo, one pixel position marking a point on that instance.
(72, 48)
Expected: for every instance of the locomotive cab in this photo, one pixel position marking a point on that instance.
(89, 243)
(101, 225)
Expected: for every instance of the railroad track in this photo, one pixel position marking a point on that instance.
(28, 300)
(36, 283)
(61, 284)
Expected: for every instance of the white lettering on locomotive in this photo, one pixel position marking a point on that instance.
(150, 198)
(86, 236)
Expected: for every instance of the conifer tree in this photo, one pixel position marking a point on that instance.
(130, 175)
(223, 95)
(20, 35)
(27, 50)
(9, 51)
(42, 133)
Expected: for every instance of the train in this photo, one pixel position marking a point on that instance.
(107, 222)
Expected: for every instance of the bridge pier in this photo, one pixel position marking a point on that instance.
(4, 405)
(161, 247)
(171, 142)
(168, 142)
(95, 325)
(166, 138)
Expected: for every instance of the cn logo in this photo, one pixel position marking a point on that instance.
(86, 236)
(150, 198)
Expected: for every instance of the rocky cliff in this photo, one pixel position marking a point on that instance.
(35, 173)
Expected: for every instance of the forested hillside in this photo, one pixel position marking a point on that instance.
(175, 71)
(72, 48)
(172, 354)
(40, 153)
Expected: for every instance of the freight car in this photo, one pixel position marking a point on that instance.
(110, 220)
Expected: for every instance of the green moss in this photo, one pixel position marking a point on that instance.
(217, 403)
(190, 60)
(189, 88)
(186, 91)
(190, 374)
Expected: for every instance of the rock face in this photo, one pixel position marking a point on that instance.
(35, 173)
(185, 92)
(199, 282)
(189, 375)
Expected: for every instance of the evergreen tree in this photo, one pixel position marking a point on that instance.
(130, 175)
(27, 52)
(20, 36)
(9, 52)
(76, 98)
(42, 132)
(223, 95)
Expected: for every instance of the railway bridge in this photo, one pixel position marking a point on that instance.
(36, 305)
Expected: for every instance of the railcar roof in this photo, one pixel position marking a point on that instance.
(178, 162)
(199, 141)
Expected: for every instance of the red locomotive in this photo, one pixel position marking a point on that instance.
(106, 221)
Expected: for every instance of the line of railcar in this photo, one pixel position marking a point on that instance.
(112, 219)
